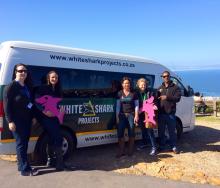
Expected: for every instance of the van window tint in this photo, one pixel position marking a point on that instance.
(86, 83)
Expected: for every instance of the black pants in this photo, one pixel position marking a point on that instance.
(52, 127)
(22, 135)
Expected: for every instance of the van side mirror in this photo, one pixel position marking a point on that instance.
(190, 91)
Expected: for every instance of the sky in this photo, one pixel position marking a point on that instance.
(181, 34)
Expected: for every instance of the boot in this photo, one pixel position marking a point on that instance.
(59, 159)
(51, 160)
(130, 146)
(60, 165)
(121, 144)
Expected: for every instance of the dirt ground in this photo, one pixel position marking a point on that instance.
(198, 162)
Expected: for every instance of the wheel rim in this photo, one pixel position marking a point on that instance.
(65, 146)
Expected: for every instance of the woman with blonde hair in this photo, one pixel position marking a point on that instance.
(144, 93)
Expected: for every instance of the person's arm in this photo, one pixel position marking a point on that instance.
(136, 111)
(8, 102)
(8, 96)
(176, 96)
(118, 108)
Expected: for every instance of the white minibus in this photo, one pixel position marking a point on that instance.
(89, 80)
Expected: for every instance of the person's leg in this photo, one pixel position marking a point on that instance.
(152, 140)
(141, 124)
(120, 132)
(171, 125)
(161, 131)
(21, 136)
(131, 134)
(56, 142)
(51, 159)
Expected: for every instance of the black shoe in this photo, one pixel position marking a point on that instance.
(32, 172)
(175, 150)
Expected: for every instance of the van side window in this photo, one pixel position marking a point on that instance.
(180, 85)
(87, 83)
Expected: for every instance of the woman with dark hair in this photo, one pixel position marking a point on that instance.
(18, 107)
(51, 123)
(127, 108)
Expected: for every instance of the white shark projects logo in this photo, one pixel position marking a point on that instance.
(88, 112)
(89, 115)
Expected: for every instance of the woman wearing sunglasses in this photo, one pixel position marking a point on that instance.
(18, 109)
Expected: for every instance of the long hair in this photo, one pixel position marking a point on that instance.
(28, 80)
(58, 85)
(127, 78)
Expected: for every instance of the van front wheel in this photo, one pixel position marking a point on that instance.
(68, 146)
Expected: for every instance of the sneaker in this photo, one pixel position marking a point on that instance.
(175, 150)
(153, 152)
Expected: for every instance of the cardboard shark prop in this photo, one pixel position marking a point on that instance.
(50, 104)
(148, 108)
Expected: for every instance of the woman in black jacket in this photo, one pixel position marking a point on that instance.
(18, 109)
(51, 123)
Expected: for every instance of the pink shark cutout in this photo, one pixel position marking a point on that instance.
(50, 104)
(148, 108)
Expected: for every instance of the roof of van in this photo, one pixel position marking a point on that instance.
(62, 49)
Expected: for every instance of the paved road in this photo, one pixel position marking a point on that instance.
(10, 178)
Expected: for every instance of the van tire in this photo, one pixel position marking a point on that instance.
(68, 147)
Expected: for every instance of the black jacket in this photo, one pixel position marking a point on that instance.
(173, 94)
(148, 93)
(16, 100)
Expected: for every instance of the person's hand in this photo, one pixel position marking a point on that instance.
(155, 107)
(34, 121)
(136, 118)
(163, 97)
(48, 113)
(12, 126)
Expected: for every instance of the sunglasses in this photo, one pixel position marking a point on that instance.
(165, 76)
(21, 71)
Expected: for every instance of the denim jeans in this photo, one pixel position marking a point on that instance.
(169, 121)
(126, 121)
(147, 133)
(22, 135)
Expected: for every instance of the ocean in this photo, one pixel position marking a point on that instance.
(206, 82)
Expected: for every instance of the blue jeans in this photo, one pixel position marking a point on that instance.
(169, 121)
(149, 133)
(146, 132)
(126, 121)
(22, 135)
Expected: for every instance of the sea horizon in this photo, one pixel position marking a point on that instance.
(202, 80)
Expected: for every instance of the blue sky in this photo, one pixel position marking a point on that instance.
(180, 34)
